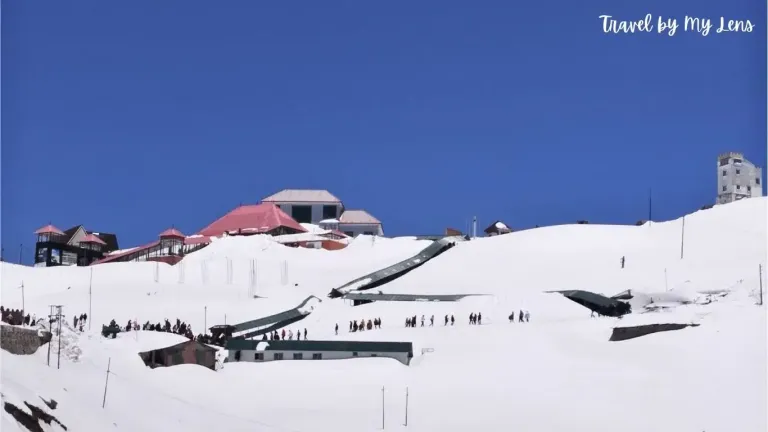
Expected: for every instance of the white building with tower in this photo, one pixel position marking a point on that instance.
(737, 178)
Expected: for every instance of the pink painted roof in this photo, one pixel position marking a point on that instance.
(90, 238)
(172, 232)
(49, 229)
(256, 218)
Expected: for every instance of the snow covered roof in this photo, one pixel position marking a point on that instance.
(302, 196)
(498, 227)
(358, 217)
(329, 221)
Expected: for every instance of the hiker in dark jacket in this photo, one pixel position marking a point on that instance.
(452, 320)
(337, 329)
(446, 320)
(479, 318)
(522, 315)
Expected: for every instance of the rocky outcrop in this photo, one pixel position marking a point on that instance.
(624, 333)
(22, 340)
(31, 421)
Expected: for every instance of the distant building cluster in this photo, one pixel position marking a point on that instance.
(294, 217)
(737, 178)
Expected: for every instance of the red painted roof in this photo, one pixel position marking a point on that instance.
(90, 238)
(252, 219)
(172, 232)
(49, 229)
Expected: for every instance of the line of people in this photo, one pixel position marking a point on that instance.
(363, 326)
(79, 320)
(285, 335)
(524, 316)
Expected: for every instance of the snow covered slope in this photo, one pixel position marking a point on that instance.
(556, 373)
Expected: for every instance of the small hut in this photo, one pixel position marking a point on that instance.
(497, 228)
(189, 352)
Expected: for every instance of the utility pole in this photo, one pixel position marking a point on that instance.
(382, 408)
(23, 308)
(104, 401)
(90, 300)
(58, 310)
(682, 239)
(50, 329)
(406, 407)
(650, 206)
(760, 271)
(474, 227)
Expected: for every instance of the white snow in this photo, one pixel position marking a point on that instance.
(556, 373)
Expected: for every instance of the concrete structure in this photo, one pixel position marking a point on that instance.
(356, 222)
(737, 178)
(263, 351)
(320, 207)
(22, 340)
(306, 205)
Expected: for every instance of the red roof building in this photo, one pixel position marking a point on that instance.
(49, 229)
(264, 218)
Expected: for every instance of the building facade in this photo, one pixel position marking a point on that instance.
(321, 207)
(306, 205)
(737, 178)
(75, 246)
(241, 350)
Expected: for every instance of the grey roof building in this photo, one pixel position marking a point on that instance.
(737, 178)
(261, 350)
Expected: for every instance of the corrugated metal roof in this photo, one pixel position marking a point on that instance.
(358, 217)
(317, 346)
(172, 232)
(303, 196)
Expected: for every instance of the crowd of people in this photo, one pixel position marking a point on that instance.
(16, 317)
(79, 321)
(179, 328)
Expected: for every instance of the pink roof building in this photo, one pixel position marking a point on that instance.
(264, 218)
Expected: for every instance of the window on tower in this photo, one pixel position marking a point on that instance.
(724, 188)
(725, 173)
(738, 171)
(757, 181)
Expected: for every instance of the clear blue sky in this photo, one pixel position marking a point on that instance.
(130, 117)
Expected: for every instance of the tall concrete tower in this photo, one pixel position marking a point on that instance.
(737, 178)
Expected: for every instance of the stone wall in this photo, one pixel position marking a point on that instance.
(21, 340)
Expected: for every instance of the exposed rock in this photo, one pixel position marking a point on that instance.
(31, 421)
(624, 333)
(21, 340)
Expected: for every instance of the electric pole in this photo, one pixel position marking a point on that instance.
(58, 311)
(682, 239)
(22, 299)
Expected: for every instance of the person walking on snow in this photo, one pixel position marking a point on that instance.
(446, 320)
(337, 329)
(522, 315)
(471, 318)
(432, 321)
(479, 317)
(527, 316)
(622, 262)
(305, 334)
(512, 317)
(422, 320)
(452, 320)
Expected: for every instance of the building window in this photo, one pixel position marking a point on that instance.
(317, 356)
(258, 356)
(738, 171)
(374, 355)
(368, 232)
(277, 356)
(302, 213)
(329, 212)
(723, 161)
(749, 188)
(298, 356)
(757, 181)
(724, 188)
(738, 187)
(725, 173)
(354, 354)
